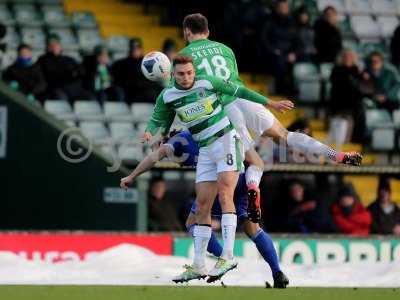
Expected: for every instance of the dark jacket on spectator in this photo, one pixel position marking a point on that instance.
(345, 91)
(328, 41)
(381, 222)
(395, 47)
(128, 75)
(279, 34)
(305, 49)
(30, 78)
(60, 70)
(356, 223)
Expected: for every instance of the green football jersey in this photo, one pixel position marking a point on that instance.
(199, 108)
(213, 59)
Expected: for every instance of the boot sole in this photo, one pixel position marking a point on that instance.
(215, 278)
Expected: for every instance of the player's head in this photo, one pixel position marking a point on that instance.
(183, 71)
(195, 26)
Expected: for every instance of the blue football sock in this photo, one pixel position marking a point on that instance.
(266, 248)
(214, 247)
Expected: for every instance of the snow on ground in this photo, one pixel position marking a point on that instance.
(133, 265)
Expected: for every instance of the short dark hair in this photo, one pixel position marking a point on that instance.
(196, 23)
(328, 8)
(24, 46)
(376, 53)
(181, 60)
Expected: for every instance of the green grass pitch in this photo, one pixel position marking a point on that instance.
(18, 292)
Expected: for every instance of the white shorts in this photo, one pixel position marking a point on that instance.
(250, 119)
(223, 155)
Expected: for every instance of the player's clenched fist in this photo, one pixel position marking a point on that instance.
(126, 182)
(146, 137)
(281, 106)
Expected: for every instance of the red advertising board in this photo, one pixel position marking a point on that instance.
(56, 247)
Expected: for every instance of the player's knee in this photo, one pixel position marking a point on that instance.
(250, 228)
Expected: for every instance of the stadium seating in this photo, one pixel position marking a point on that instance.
(358, 7)
(95, 131)
(88, 39)
(387, 25)
(383, 139)
(396, 118)
(307, 79)
(84, 20)
(68, 39)
(35, 37)
(338, 4)
(27, 15)
(141, 111)
(384, 7)
(130, 153)
(378, 118)
(87, 110)
(54, 16)
(365, 27)
(123, 132)
(6, 16)
(61, 109)
(118, 43)
(117, 111)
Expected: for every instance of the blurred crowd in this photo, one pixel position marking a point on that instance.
(58, 76)
(297, 209)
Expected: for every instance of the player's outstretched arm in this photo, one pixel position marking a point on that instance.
(162, 116)
(229, 88)
(145, 165)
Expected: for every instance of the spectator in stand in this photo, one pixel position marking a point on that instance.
(297, 209)
(305, 49)
(62, 73)
(385, 213)
(162, 214)
(25, 75)
(348, 88)
(169, 48)
(385, 80)
(328, 39)
(279, 41)
(97, 78)
(128, 75)
(395, 47)
(349, 215)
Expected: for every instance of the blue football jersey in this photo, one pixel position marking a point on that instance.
(186, 150)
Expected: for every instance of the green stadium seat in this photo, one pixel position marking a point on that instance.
(8, 58)
(6, 16)
(396, 118)
(384, 7)
(117, 111)
(54, 16)
(88, 110)
(305, 71)
(365, 27)
(141, 112)
(378, 118)
(383, 139)
(310, 91)
(34, 37)
(12, 38)
(61, 109)
(84, 20)
(108, 151)
(88, 39)
(26, 15)
(74, 54)
(326, 70)
(95, 131)
(123, 132)
(388, 25)
(131, 153)
(118, 43)
(118, 55)
(358, 7)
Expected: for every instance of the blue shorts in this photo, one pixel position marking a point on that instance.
(240, 200)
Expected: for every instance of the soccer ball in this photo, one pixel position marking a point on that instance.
(156, 67)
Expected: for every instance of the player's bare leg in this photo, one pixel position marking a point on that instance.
(226, 188)
(308, 145)
(206, 193)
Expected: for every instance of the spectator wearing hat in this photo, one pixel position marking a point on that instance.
(26, 75)
(169, 48)
(349, 215)
(385, 213)
(128, 76)
(97, 78)
(62, 73)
